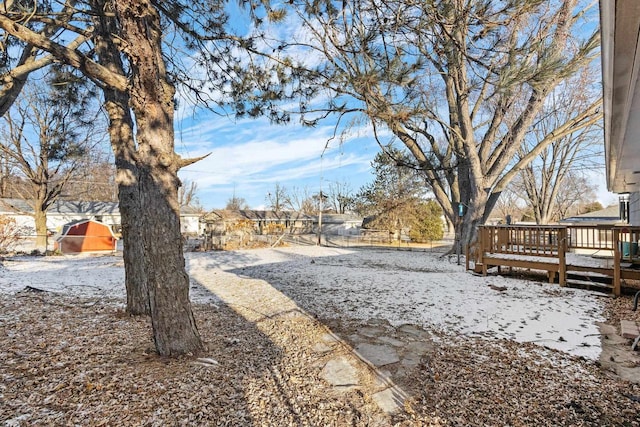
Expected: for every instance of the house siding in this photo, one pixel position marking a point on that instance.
(63, 212)
(634, 208)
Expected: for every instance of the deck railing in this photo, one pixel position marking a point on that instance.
(627, 239)
(595, 237)
(619, 242)
(523, 239)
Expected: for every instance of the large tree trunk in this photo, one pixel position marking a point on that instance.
(40, 219)
(120, 131)
(174, 326)
(133, 247)
(123, 145)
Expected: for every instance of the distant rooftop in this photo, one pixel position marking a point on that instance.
(608, 214)
(65, 207)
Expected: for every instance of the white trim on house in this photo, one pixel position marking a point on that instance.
(620, 53)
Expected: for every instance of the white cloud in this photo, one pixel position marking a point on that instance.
(250, 157)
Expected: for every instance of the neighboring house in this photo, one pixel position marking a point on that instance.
(64, 211)
(620, 53)
(20, 211)
(190, 221)
(219, 222)
(341, 224)
(596, 231)
(607, 216)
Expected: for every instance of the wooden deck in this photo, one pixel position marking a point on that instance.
(553, 248)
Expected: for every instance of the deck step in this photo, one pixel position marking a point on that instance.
(589, 285)
(629, 329)
(594, 278)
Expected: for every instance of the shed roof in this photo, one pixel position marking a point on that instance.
(68, 227)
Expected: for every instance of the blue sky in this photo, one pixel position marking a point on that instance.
(249, 157)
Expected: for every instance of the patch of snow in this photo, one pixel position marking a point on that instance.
(403, 287)
(421, 288)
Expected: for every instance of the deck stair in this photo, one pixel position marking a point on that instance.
(590, 281)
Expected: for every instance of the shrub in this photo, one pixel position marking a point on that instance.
(10, 233)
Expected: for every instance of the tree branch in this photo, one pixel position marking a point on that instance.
(65, 54)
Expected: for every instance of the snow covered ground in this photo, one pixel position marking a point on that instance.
(402, 287)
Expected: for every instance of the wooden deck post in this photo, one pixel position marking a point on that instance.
(616, 262)
(467, 251)
(562, 256)
(484, 241)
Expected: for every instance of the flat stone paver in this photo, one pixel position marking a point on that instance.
(371, 331)
(391, 341)
(629, 329)
(420, 347)
(330, 339)
(378, 355)
(340, 373)
(322, 348)
(413, 330)
(390, 400)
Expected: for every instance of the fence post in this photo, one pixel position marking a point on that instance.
(562, 256)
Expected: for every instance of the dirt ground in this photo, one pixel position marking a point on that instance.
(85, 362)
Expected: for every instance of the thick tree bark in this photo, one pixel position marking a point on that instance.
(40, 220)
(133, 248)
(121, 134)
(123, 146)
(151, 98)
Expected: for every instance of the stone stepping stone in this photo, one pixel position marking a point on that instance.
(378, 355)
(390, 400)
(391, 341)
(340, 373)
(322, 348)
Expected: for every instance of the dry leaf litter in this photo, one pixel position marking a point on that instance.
(83, 361)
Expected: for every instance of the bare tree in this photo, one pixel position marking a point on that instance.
(576, 193)
(553, 173)
(510, 205)
(7, 175)
(48, 136)
(279, 200)
(236, 203)
(459, 83)
(187, 195)
(94, 179)
(303, 201)
(340, 197)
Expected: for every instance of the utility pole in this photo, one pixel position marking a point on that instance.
(320, 207)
